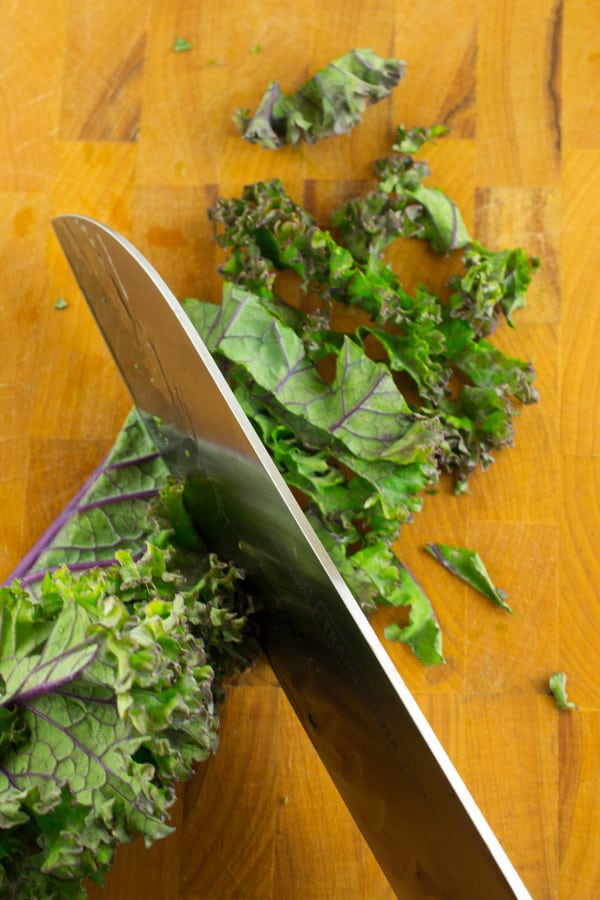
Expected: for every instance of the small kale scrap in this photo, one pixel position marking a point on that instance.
(557, 685)
(331, 102)
(468, 565)
(112, 663)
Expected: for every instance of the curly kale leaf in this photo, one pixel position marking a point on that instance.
(357, 449)
(484, 364)
(352, 447)
(475, 423)
(109, 513)
(266, 232)
(493, 282)
(331, 102)
(421, 336)
(115, 704)
(362, 408)
(111, 671)
(401, 206)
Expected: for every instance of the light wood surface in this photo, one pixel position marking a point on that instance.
(98, 116)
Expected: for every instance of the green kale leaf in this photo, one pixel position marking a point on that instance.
(112, 668)
(109, 512)
(351, 445)
(493, 282)
(331, 102)
(401, 206)
(468, 565)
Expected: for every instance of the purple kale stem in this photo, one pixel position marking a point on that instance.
(437, 555)
(138, 461)
(40, 545)
(33, 577)
(72, 508)
(8, 777)
(105, 501)
(25, 695)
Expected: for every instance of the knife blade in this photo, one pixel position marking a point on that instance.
(421, 823)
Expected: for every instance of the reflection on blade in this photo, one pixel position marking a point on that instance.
(416, 814)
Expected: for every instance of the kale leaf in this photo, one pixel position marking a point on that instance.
(352, 447)
(112, 668)
(331, 102)
(468, 565)
(361, 420)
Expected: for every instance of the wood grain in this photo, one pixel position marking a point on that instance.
(99, 116)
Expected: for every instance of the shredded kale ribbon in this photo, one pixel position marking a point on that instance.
(362, 420)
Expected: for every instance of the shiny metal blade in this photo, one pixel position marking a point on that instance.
(421, 823)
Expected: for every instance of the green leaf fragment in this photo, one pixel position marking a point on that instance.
(402, 206)
(467, 564)
(422, 633)
(493, 282)
(60, 303)
(410, 140)
(180, 45)
(442, 223)
(332, 102)
(558, 688)
(377, 578)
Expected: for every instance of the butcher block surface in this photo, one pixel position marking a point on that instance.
(100, 116)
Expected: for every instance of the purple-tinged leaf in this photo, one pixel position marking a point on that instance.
(66, 652)
(468, 565)
(108, 514)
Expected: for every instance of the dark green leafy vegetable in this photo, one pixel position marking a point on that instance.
(401, 205)
(360, 444)
(111, 671)
(468, 565)
(331, 102)
(558, 688)
(351, 446)
(266, 232)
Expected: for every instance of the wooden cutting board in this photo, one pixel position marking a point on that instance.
(99, 116)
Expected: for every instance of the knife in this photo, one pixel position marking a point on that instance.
(424, 828)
